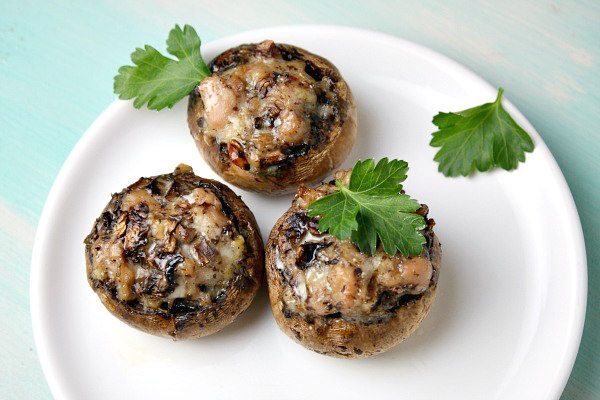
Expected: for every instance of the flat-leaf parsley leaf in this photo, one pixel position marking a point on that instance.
(480, 138)
(372, 207)
(159, 81)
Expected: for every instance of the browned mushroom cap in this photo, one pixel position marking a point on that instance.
(175, 255)
(272, 116)
(331, 298)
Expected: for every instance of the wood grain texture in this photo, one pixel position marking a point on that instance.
(57, 60)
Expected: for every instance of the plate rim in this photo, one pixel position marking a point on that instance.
(92, 133)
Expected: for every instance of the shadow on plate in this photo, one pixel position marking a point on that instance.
(439, 322)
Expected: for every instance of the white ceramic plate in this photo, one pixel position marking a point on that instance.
(511, 298)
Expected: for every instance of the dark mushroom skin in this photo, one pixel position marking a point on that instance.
(175, 255)
(331, 298)
(272, 116)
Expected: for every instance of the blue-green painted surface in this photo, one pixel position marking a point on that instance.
(57, 60)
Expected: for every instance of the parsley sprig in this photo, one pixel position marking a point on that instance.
(372, 208)
(158, 81)
(480, 138)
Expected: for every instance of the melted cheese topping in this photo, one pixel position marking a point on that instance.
(327, 276)
(154, 249)
(265, 106)
(341, 279)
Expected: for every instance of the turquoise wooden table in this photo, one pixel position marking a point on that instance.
(57, 60)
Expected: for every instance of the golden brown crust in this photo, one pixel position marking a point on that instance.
(335, 336)
(309, 167)
(239, 293)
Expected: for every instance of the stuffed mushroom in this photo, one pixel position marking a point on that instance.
(175, 255)
(272, 116)
(332, 298)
